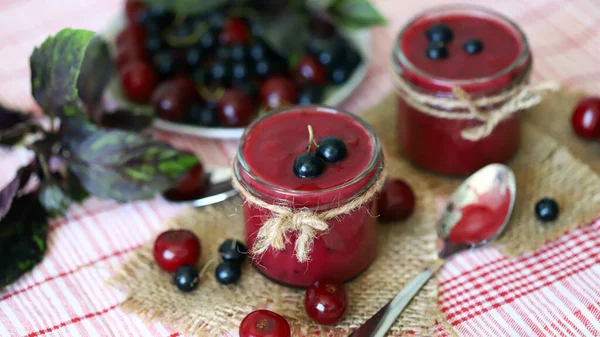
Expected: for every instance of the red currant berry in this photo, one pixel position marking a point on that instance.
(189, 186)
(235, 108)
(131, 34)
(171, 101)
(129, 52)
(133, 10)
(325, 302)
(278, 91)
(138, 81)
(235, 31)
(175, 248)
(264, 323)
(586, 118)
(309, 70)
(396, 200)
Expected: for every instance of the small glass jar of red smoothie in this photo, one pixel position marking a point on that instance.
(264, 168)
(477, 50)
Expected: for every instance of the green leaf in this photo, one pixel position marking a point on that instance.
(356, 14)
(126, 166)
(53, 198)
(23, 234)
(187, 6)
(286, 32)
(96, 71)
(74, 131)
(55, 68)
(319, 5)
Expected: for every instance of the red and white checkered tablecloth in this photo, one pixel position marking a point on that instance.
(553, 292)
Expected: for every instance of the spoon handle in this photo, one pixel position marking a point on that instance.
(380, 323)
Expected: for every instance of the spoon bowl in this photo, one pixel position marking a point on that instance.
(475, 215)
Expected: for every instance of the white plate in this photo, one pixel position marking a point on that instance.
(333, 97)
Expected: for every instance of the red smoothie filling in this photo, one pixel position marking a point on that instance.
(501, 47)
(269, 149)
(435, 143)
(481, 221)
(274, 143)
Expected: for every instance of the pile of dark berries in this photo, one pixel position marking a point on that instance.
(216, 69)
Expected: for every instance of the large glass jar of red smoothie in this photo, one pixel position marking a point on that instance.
(264, 168)
(467, 47)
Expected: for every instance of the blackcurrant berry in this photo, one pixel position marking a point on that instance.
(439, 33)
(228, 272)
(233, 251)
(308, 165)
(186, 278)
(546, 210)
(437, 51)
(473, 46)
(332, 149)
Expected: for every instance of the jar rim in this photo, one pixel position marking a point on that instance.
(475, 10)
(372, 165)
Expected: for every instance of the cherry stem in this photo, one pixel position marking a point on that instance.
(311, 139)
(208, 264)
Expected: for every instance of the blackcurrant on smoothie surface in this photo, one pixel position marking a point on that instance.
(501, 47)
(435, 143)
(268, 150)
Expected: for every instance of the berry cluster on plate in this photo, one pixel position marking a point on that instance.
(217, 68)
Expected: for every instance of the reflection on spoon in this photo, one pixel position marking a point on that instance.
(218, 189)
(475, 215)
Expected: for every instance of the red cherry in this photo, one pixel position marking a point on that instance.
(133, 10)
(235, 31)
(171, 101)
(586, 118)
(138, 81)
(175, 248)
(131, 34)
(264, 323)
(326, 302)
(309, 70)
(189, 186)
(129, 52)
(235, 108)
(278, 91)
(188, 86)
(396, 200)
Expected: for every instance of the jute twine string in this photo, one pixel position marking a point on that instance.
(306, 223)
(497, 107)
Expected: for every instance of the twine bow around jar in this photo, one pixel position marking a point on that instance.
(490, 110)
(306, 223)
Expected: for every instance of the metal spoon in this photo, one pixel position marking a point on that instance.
(219, 189)
(494, 180)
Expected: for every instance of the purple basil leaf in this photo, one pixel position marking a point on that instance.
(53, 198)
(96, 71)
(74, 131)
(7, 194)
(55, 68)
(14, 125)
(9, 118)
(23, 234)
(124, 166)
(127, 120)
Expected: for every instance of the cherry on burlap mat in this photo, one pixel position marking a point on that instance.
(543, 167)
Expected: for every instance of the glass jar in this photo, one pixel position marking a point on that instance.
(503, 63)
(264, 167)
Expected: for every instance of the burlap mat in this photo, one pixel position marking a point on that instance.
(543, 168)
